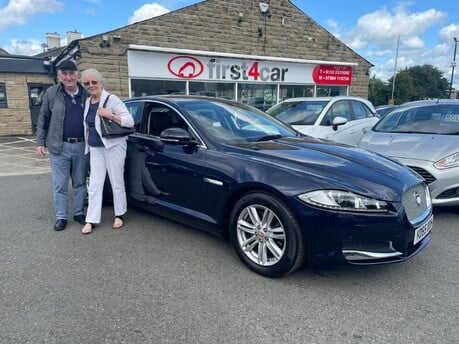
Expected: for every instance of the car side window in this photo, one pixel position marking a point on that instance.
(135, 109)
(361, 111)
(338, 109)
(161, 117)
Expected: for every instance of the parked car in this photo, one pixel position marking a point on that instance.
(425, 137)
(281, 197)
(383, 110)
(343, 119)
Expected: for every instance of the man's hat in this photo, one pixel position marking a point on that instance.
(67, 64)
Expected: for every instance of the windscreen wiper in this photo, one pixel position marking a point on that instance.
(269, 137)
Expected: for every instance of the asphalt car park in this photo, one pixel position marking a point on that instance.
(160, 282)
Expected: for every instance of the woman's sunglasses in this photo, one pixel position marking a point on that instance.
(92, 82)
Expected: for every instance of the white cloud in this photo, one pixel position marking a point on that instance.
(19, 12)
(375, 37)
(448, 32)
(413, 42)
(148, 11)
(383, 27)
(27, 47)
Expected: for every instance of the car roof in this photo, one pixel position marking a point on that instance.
(322, 98)
(180, 97)
(431, 102)
(335, 98)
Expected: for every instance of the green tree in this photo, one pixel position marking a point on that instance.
(414, 83)
(378, 92)
(428, 82)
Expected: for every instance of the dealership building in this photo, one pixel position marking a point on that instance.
(257, 53)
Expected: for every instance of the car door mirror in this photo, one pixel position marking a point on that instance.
(337, 121)
(176, 136)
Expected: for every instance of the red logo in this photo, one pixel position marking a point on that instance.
(186, 67)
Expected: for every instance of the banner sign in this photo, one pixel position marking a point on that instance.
(170, 66)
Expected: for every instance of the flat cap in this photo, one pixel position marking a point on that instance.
(67, 64)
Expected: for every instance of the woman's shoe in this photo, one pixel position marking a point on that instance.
(87, 229)
(118, 222)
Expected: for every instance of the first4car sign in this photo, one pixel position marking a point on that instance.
(192, 67)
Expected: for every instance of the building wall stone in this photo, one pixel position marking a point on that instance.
(16, 118)
(210, 25)
(213, 25)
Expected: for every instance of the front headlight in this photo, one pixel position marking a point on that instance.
(344, 201)
(448, 162)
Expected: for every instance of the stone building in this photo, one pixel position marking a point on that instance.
(250, 51)
(23, 80)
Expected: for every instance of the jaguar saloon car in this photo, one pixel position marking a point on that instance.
(423, 135)
(282, 198)
(343, 119)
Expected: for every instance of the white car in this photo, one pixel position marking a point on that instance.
(343, 119)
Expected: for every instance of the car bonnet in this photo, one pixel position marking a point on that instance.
(427, 147)
(336, 166)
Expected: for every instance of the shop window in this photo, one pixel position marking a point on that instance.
(331, 91)
(212, 89)
(261, 96)
(294, 91)
(3, 103)
(141, 87)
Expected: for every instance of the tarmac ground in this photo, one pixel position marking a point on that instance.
(18, 157)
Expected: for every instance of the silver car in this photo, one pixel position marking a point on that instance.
(425, 137)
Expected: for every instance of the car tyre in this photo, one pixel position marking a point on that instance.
(266, 235)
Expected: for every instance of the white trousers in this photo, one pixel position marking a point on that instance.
(103, 161)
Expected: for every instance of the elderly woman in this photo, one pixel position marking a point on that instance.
(107, 155)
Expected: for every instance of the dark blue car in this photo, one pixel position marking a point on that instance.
(282, 198)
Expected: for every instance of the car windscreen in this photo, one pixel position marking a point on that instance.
(435, 119)
(298, 112)
(228, 122)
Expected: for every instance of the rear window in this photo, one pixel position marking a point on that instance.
(436, 119)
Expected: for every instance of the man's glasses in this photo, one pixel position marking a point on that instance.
(92, 82)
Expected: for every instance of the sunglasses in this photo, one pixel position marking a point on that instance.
(92, 82)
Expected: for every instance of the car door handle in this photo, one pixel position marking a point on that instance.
(143, 149)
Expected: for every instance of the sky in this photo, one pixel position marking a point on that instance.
(423, 30)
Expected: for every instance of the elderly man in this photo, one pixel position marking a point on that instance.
(60, 129)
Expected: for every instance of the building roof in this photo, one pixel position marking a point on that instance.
(52, 52)
(23, 64)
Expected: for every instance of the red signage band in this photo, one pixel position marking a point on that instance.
(332, 75)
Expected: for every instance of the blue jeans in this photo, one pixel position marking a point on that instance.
(70, 163)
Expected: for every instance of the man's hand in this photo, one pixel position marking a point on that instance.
(41, 150)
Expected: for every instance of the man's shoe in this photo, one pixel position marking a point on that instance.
(60, 224)
(80, 219)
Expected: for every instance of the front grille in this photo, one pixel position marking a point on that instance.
(415, 202)
(424, 174)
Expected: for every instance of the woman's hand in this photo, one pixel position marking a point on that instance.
(104, 112)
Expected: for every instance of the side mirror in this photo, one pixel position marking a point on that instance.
(337, 121)
(176, 136)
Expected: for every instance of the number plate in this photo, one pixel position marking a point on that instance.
(422, 231)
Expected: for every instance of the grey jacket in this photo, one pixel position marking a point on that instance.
(50, 124)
